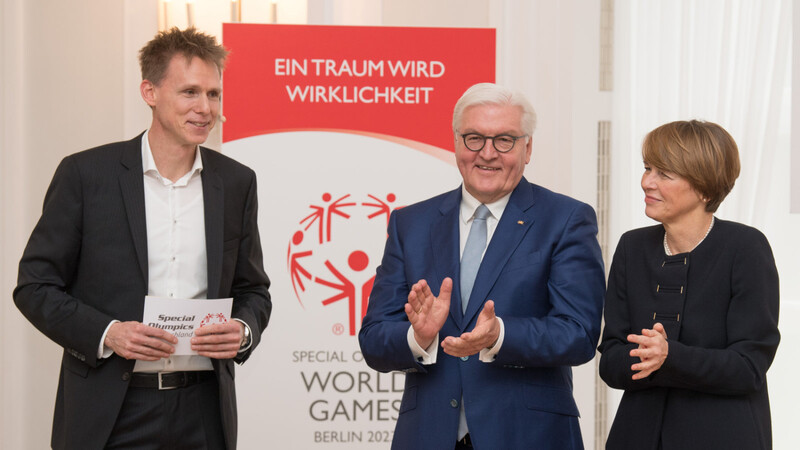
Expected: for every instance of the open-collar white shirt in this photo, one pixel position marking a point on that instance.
(177, 264)
(176, 248)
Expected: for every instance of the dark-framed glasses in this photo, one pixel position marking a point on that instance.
(503, 143)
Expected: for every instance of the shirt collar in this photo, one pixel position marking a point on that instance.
(149, 163)
(469, 204)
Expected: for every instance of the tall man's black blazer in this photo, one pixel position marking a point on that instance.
(86, 264)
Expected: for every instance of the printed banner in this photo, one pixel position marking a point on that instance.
(343, 125)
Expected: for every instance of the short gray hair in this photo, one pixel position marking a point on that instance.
(495, 94)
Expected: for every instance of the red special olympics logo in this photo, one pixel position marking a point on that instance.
(211, 319)
(328, 259)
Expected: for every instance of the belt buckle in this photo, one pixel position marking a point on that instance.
(161, 386)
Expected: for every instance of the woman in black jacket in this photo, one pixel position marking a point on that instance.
(691, 314)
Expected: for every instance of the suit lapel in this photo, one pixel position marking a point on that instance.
(132, 186)
(445, 243)
(213, 209)
(517, 219)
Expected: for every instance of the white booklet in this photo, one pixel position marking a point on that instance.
(182, 316)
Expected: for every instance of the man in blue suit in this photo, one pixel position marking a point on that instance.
(491, 368)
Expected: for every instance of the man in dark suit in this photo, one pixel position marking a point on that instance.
(157, 215)
(487, 333)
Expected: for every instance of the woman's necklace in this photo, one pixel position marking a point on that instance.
(666, 246)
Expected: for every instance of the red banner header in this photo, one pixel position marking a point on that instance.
(391, 82)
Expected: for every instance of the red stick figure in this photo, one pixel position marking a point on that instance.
(357, 261)
(334, 209)
(346, 289)
(318, 213)
(295, 269)
(382, 207)
(327, 212)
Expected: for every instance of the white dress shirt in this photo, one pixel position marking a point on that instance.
(177, 264)
(469, 205)
(176, 247)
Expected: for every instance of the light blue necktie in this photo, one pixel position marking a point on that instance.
(470, 262)
(473, 253)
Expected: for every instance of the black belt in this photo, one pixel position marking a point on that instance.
(464, 443)
(170, 380)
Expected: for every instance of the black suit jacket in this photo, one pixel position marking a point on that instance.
(86, 264)
(722, 330)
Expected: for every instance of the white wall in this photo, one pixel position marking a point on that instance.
(62, 83)
(69, 80)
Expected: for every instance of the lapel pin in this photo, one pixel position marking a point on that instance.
(519, 222)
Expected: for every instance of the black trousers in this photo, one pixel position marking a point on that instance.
(184, 418)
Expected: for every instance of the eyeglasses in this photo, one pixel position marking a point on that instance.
(503, 143)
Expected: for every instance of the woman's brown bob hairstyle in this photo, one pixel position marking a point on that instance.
(703, 153)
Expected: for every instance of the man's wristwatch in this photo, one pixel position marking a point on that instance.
(245, 337)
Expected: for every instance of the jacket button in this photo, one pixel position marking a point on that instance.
(464, 358)
(126, 376)
(454, 403)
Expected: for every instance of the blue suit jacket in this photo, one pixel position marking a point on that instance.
(543, 269)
